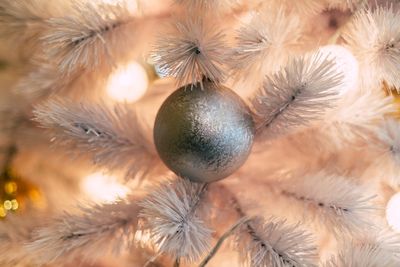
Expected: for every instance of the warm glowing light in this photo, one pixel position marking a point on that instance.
(393, 212)
(128, 83)
(10, 187)
(14, 204)
(3, 212)
(132, 5)
(142, 237)
(346, 63)
(103, 188)
(7, 205)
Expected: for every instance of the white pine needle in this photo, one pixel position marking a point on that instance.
(206, 5)
(301, 7)
(15, 231)
(389, 134)
(43, 80)
(344, 4)
(170, 214)
(300, 93)
(17, 15)
(115, 138)
(357, 116)
(99, 229)
(339, 205)
(373, 249)
(355, 119)
(193, 50)
(374, 38)
(264, 44)
(365, 255)
(385, 240)
(305, 7)
(91, 34)
(274, 243)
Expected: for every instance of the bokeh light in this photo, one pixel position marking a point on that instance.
(128, 83)
(346, 63)
(393, 212)
(103, 188)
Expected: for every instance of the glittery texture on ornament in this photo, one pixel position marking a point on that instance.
(204, 133)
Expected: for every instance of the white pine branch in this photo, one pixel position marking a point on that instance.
(99, 229)
(193, 49)
(338, 204)
(385, 240)
(42, 80)
(115, 138)
(374, 38)
(274, 243)
(17, 15)
(300, 93)
(354, 121)
(264, 44)
(232, 230)
(171, 215)
(91, 34)
(15, 232)
(363, 255)
(356, 116)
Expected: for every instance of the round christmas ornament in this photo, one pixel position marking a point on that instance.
(204, 132)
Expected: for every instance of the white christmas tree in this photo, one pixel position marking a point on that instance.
(267, 137)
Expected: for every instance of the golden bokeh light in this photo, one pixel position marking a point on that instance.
(7, 205)
(17, 194)
(14, 204)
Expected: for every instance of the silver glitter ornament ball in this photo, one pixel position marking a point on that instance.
(204, 133)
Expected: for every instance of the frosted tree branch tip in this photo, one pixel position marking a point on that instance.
(97, 230)
(193, 49)
(389, 134)
(114, 137)
(335, 202)
(262, 44)
(275, 243)
(171, 213)
(93, 34)
(297, 95)
(373, 37)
